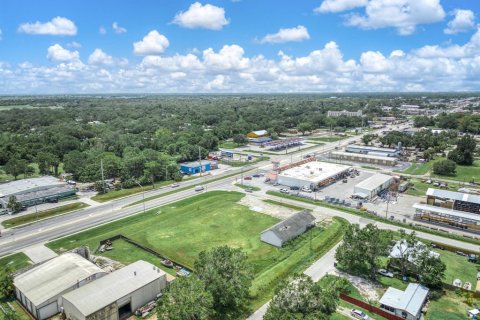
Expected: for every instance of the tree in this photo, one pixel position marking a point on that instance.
(13, 204)
(444, 167)
(46, 161)
(406, 249)
(16, 166)
(367, 138)
(463, 153)
(361, 249)
(429, 267)
(300, 298)
(7, 288)
(240, 139)
(304, 127)
(185, 299)
(227, 276)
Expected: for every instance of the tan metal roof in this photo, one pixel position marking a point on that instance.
(54, 276)
(114, 286)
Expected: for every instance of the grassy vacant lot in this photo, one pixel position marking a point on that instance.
(15, 222)
(282, 204)
(419, 188)
(228, 145)
(419, 168)
(182, 230)
(115, 194)
(464, 173)
(451, 306)
(458, 268)
(327, 139)
(13, 262)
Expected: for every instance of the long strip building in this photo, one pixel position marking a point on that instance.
(454, 209)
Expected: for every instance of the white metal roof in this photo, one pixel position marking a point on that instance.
(371, 148)
(453, 195)
(362, 155)
(314, 171)
(54, 276)
(374, 181)
(402, 249)
(447, 211)
(112, 287)
(292, 226)
(25, 185)
(260, 132)
(411, 300)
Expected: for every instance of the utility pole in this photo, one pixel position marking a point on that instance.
(143, 195)
(166, 172)
(103, 178)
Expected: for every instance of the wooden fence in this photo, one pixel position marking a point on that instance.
(369, 307)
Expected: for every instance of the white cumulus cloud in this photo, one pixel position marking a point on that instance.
(202, 16)
(74, 44)
(463, 20)
(116, 27)
(102, 30)
(299, 33)
(58, 26)
(404, 15)
(339, 5)
(98, 56)
(59, 54)
(230, 57)
(153, 43)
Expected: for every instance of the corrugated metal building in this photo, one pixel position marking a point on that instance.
(39, 190)
(383, 152)
(117, 295)
(40, 289)
(367, 158)
(195, 167)
(312, 174)
(372, 186)
(288, 229)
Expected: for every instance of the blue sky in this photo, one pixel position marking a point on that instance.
(238, 46)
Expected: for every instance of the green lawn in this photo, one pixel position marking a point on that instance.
(418, 168)
(183, 229)
(451, 306)
(238, 163)
(327, 139)
(15, 222)
(6, 177)
(115, 194)
(14, 262)
(464, 173)
(246, 186)
(419, 188)
(458, 268)
(282, 204)
(229, 145)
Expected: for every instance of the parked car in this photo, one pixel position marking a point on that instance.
(385, 273)
(306, 189)
(256, 175)
(294, 188)
(359, 314)
(276, 184)
(249, 190)
(175, 185)
(284, 190)
(199, 188)
(248, 178)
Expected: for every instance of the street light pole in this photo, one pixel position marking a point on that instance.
(143, 195)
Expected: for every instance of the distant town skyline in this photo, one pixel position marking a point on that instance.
(63, 47)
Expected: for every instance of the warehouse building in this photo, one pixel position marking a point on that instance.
(35, 190)
(449, 208)
(40, 289)
(374, 151)
(370, 187)
(117, 295)
(196, 167)
(312, 174)
(288, 229)
(260, 136)
(366, 158)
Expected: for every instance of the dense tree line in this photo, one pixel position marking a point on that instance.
(463, 122)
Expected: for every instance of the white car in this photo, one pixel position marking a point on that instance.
(175, 185)
(284, 190)
(359, 314)
(385, 273)
(306, 189)
(199, 188)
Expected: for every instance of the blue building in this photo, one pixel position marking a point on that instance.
(195, 167)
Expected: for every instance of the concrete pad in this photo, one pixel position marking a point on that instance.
(39, 253)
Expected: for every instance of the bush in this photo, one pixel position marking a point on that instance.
(444, 167)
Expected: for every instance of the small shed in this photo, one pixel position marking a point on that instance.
(288, 229)
(117, 295)
(370, 187)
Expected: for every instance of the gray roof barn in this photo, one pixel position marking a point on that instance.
(288, 229)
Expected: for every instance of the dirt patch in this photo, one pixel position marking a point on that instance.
(256, 204)
(367, 288)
